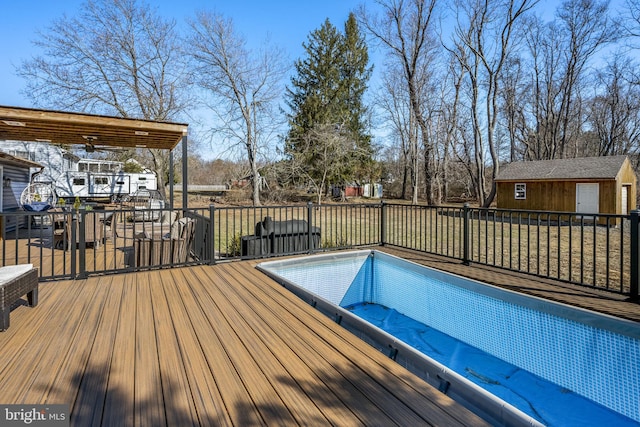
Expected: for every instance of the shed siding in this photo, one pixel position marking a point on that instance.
(19, 181)
(627, 177)
(11, 195)
(560, 195)
(553, 195)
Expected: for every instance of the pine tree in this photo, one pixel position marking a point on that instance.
(326, 94)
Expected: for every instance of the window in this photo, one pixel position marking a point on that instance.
(78, 181)
(101, 181)
(521, 191)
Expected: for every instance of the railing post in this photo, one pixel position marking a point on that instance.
(211, 236)
(82, 244)
(309, 227)
(634, 276)
(71, 243)
(383, 222)
(465, 234)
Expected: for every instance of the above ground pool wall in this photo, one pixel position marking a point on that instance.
(516, 328)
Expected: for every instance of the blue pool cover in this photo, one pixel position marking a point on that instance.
(548, 403)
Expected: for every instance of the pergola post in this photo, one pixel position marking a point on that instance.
(171, 179)
(185, 198)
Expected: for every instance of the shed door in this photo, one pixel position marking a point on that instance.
(624, 200)
(587, 198)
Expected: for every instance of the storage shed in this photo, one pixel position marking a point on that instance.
(605, 185)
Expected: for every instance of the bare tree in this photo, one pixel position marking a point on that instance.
(588, 27)
(614, 113)
(393, 100)
(448, 118)
(406, 30)
(116, 57)
(513, 97)
(561, 52)
(483, 42)
(244, 86)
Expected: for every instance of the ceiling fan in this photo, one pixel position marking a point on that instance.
(91, 147)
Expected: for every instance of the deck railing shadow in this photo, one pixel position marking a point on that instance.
(597, 250)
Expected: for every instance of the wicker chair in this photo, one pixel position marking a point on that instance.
(16, 281)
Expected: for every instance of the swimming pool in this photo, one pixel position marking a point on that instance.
(511, 358)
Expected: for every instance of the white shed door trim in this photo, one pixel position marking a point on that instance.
(624, 200)
(587, 198)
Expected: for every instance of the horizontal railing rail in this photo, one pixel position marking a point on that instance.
(599, 251)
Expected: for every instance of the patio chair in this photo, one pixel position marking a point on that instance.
(16, 281)
(172, 248)
(92, 231)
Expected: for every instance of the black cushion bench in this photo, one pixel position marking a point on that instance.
(280, 237)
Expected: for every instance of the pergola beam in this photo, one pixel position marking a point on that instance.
(57, 127)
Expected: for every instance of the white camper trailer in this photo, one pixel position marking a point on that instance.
(99, 185)
(72, 177)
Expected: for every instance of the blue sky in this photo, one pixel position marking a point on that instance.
(286, 22)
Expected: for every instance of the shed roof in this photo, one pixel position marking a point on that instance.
(8, 159)
(27, 124)
(563, 169)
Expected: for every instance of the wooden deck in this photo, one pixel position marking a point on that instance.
(220, 345)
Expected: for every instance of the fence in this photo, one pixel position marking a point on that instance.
(599, 251)
(590, 250)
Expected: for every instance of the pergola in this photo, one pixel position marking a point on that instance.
(58, 127)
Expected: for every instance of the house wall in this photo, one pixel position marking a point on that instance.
(51, 157)
(11, 195)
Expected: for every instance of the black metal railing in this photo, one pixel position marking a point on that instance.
(76, 243)
(241, 232)
(599, 251)
(589, 250)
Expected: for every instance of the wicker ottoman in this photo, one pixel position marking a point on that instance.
(15, 281)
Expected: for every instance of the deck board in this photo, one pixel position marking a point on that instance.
(372, 371)
(277, 358)
(207, 400)
(175, 384)
(205, 345)
(119, 410)
(148, 386)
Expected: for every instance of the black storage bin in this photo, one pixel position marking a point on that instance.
(280, 237)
